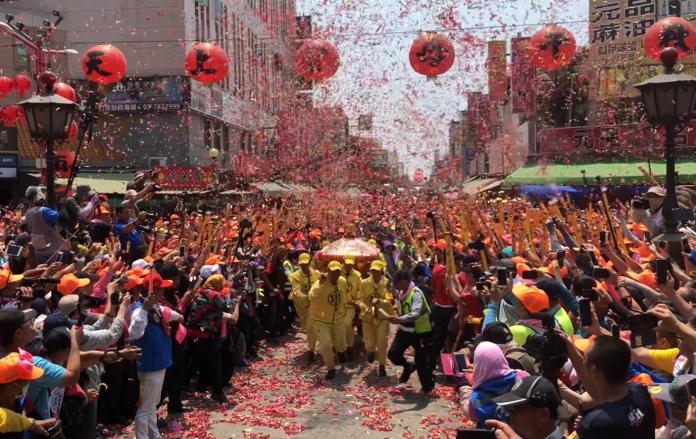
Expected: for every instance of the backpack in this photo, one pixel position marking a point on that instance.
(201, 307)
(520, 359)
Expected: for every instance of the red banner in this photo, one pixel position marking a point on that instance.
(497, 70)
(522, 73)
(183, 177)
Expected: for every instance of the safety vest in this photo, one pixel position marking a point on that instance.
(564, 321)
(422, 323)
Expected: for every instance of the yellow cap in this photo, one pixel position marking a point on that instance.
(372, 242)
(349, 259)
(376, 265)
(334, 265)
(304, 259)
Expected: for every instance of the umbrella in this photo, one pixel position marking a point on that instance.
(360, 249)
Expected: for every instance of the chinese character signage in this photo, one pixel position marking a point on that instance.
(617, 28)
(522, 72)
(155, 94)
(183, 177)
(497, 70)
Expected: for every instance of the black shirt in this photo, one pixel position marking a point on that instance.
(631, 417)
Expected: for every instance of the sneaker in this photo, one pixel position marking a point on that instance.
(310, 356)
(370, 357)
(341, 357)
(406, 374)
(331, 374)
(382, 371)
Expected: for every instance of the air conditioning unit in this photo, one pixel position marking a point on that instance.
(157, 161)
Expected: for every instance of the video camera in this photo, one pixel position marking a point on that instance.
(640, 203)
(547, 347)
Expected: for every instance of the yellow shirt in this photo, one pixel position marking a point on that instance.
(11, 422)
(327, 302)
(353, 284)
(301, 284)
(370, 290)
(664, 359)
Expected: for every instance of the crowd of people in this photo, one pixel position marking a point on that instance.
(553, 319)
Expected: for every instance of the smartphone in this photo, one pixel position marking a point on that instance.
(460, 361)
(601, 273)
(589, 293)
(475, 433)
(115, 299)
(642, 330)
(585, 308)
(616, 331)
(479, 286)
(501, 273)
(602, 237)
(560, 256)
(662, 267)
(66, 257)
(685, 245)
(13, 250)
(530, 274)
(182, 251)
(647, 235)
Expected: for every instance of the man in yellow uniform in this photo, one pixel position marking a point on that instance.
(327, 308)
(353, 280)
(374, 297)
(302, 281)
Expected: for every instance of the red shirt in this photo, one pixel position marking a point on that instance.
(440, 296)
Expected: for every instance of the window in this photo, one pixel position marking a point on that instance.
(197, 14)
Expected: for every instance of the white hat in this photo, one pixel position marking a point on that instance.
(141, 264)
(208, 270)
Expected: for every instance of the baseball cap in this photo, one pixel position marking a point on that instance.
(657, 191)
(532, 298)
(349, 260)
(534, 390)
(303, 259)
(56, 321)
(208, 270)
(212, 260)
(132, 282)
(6, 277)
(140, 264)
(70, 283)
(496, 332)
(157, 281)
(551, 287)
(645, 277)
(18, 366)
(377, 266)
(676, 392)
(68, 304)
(334, 266)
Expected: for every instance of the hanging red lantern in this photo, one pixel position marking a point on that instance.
(10, 114)
(64, 162)
(551, 47)
(104, 64)
(206, 63)
(6, 85)
(670, 32)
(317, 59)
(431, 54)
(65, 90)
(22, 83)
(73, 130)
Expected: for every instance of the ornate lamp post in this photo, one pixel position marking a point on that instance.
(669, 99)
(49, 116)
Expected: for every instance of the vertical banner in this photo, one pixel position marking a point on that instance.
(522, 72)
(497, 70)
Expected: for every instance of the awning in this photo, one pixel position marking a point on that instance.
(473, 187)
(492, 186)
(103, 184)
(272, 188)
(30, 149)
(610, 172)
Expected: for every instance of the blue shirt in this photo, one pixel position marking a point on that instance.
(38, 389)
(133, 236)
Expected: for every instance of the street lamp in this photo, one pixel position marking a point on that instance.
(669, 99)
(49, 117)
(213, 153)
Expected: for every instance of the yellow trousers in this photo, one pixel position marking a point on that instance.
(376, 338)
(331, 335)
(308, 327)
(350, 331)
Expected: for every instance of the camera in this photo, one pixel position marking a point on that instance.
(601, 273)
(91, 301)
(545, 345)
(640, 203)
(642, 330)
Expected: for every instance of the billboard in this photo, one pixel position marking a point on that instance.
(153, 94)
(497, 70)
(522, 73)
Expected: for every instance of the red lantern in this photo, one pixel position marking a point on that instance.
(670, 32)
(431, 54)
(22, 83)
(72, 130)
(64, 161)
(206, 63)
(104, 64)
(552, 47)
(317, 59)
(6, 85)
(65, 90)
(10, 114)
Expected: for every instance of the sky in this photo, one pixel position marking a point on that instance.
(411, 112)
